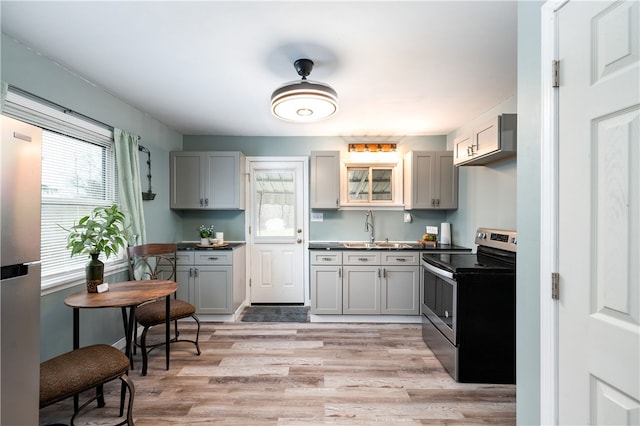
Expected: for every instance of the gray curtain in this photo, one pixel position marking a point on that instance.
(129, 182)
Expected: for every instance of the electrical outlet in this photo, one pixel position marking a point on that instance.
(317, 217)
(407, 217)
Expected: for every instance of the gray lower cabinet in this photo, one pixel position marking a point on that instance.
(365, 283)
(326, 282)
(213, 280)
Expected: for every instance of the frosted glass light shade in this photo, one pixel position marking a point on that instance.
(304, 101)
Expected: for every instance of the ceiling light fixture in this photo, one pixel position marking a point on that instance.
(304, 101)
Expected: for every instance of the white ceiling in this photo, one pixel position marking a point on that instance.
(209, 68)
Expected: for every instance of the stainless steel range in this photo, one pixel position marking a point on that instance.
(468, 308)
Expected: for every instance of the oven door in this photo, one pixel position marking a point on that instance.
(439, 299)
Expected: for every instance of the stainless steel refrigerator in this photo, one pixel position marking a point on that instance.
(20, 285)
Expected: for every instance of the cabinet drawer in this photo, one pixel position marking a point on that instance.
(213, 258)
(361, 258)
(405, 258)
(326, 257)
(184, 258)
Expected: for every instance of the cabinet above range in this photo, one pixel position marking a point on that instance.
(490, 141)
(207, 180)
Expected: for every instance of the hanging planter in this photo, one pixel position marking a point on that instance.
(148, 195)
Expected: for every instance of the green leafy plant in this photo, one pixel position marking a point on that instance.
(102, 231)
(206, 231)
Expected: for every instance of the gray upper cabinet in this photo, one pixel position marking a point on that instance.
(430, 180)
(207, 180)
(325, 179)
(490, 141)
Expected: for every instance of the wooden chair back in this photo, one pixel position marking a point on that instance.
(152, 261)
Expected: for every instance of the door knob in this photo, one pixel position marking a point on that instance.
(299, 240)
(299, 230)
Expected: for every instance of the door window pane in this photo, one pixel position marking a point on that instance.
(275, 203)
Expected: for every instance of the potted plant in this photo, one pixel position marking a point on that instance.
(102, 231)
(205, 233)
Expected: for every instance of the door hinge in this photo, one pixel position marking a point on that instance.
(555, 286)
(555, 73)
(249, 229)
(249, 282)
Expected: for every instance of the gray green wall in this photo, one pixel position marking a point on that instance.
(528, 214)
(24, 68)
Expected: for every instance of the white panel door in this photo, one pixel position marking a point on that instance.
(599, 214)
(276, 234)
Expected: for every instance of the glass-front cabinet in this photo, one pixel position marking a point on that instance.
(371, 184)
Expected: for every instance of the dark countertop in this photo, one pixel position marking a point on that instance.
(439, 248)
(191, 246)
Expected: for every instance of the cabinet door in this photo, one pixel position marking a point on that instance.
(325, 179)
(187, 184)
(462, 148)
(224, 180)
(361, 290)
(419, 171)
(486, 138)
(326, 290)
(446, 181)
(184, 279)
(213, 289)
(400, 290)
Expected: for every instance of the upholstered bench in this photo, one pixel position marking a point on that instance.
(82, 369)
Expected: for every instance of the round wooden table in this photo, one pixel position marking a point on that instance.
(127, 294)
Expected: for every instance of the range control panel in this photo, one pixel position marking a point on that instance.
(497, 238)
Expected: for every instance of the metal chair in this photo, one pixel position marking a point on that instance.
(152, 262)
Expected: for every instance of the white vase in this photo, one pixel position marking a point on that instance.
(204, 241)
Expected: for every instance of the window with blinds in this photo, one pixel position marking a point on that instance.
(78, 174)
(76, 177)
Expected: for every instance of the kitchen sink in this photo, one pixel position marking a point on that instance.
(359, 245)
(392, 245)
(381, 245)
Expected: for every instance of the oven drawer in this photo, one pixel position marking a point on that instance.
(441, 347)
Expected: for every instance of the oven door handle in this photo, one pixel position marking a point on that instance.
(437, 271)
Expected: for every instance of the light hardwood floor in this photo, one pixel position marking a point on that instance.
(300, 374)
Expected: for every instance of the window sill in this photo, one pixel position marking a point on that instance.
(64, 281)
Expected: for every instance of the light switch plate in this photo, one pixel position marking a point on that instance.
(407, 217)
(317, 217)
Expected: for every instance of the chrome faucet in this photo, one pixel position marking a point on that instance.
(368, 225)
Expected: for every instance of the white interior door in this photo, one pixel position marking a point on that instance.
(277, 234)
(599, 213)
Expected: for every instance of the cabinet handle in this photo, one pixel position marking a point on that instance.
(337, 202)
(327, 259)
(195, 272)
(384, 272)
(201, 202)
(363, 259)
(339, 272)
(401, 259)
(206, 202)
(190, 272)
(212, 258)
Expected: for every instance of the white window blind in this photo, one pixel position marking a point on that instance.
(78, 174)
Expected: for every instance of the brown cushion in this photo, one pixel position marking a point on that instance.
(153, 313)
(81, 369)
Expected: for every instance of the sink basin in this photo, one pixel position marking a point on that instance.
(392, 245)
(381, 245)
(360, 245)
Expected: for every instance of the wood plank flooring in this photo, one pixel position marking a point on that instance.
(300, 374)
